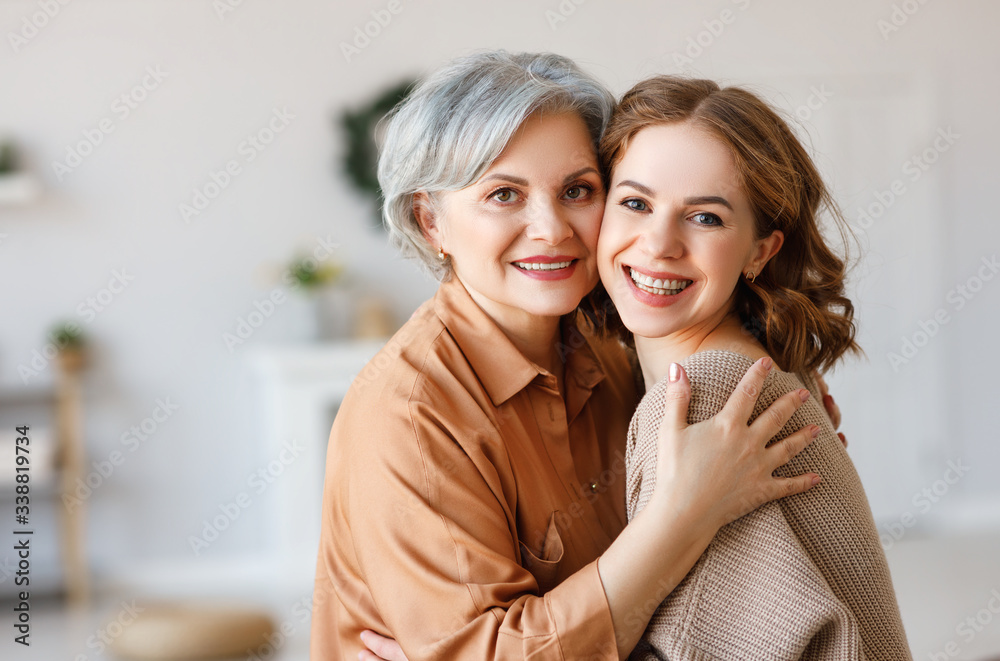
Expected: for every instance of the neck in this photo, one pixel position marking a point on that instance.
(656, 353)
(535, 336)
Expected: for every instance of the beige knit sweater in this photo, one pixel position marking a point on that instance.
(803, 577)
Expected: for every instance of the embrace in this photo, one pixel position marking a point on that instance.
(606, 435)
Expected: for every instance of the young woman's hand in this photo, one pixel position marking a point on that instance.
(720, 469)
(380, 648)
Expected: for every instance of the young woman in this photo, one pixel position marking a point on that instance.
(474, 505)
(711, 252)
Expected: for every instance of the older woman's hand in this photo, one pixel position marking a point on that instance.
(381, 648)
(831, 407)
(722, 468)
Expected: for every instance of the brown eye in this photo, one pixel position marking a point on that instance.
(504, 195)
(576, 192)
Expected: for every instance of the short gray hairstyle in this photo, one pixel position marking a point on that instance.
(457, 121)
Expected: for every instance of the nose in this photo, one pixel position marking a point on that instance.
(664, 238)
(548, 222)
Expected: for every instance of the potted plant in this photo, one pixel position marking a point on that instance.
(325, 283)
(16, 186)
(72, 346)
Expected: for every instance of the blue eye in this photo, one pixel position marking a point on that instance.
(634, 204)
(709, 219)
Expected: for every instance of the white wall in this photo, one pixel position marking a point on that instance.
(162, 336)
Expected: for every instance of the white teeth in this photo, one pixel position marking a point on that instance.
(538, 266)
(656, 285)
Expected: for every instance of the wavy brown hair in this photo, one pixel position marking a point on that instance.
(796, 306)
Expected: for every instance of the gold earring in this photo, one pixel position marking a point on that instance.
(751, 276)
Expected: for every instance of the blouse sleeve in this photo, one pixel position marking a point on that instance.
(433, 538)
(803, 577)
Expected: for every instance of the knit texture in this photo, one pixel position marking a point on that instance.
(803, 577)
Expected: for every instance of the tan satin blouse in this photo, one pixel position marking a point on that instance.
(467, 500)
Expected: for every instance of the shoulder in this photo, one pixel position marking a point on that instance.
(416, 387)
(714, 376)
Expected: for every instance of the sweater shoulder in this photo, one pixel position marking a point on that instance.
(714, 376)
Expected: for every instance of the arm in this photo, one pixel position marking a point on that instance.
(380, 648)
(644, 564)
(811, 563)
(661, 545)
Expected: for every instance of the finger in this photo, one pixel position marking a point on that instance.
(786, 449)
(843, 439)
(832, 409)
(382, 647)
(823, 388)
(783, 487)
(743, 400)
(675, 409)
(774, 417)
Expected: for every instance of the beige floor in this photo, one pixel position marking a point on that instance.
(940, 583)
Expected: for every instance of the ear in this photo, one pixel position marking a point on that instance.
(426, 213)
(765, 249)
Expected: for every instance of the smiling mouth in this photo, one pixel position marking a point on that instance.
(651, 285)
(540, 266)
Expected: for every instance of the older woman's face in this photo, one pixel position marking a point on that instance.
(523, 238)
(678, 232)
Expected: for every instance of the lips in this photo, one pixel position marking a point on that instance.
(656, 289)
(547, 267)
(665, 286)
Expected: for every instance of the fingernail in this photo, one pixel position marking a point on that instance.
(766, 363)
(815, 431)
(675, 372)
(804, 394)
(816, 480)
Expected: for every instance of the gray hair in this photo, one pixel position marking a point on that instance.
(456, 122)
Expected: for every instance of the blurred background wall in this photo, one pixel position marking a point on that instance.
(897, 100)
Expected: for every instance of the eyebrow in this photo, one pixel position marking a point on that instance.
(690, 201)
(520, 181)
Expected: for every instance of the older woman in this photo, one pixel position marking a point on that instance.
(474, 499)
(712, 254)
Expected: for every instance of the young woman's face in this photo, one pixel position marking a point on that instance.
(678, 232)
(523, 238)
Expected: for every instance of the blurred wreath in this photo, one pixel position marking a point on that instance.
(361, 158)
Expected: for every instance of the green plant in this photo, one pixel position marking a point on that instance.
(8, 158)
(361, 157)
(312, 275)
(68, 335)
